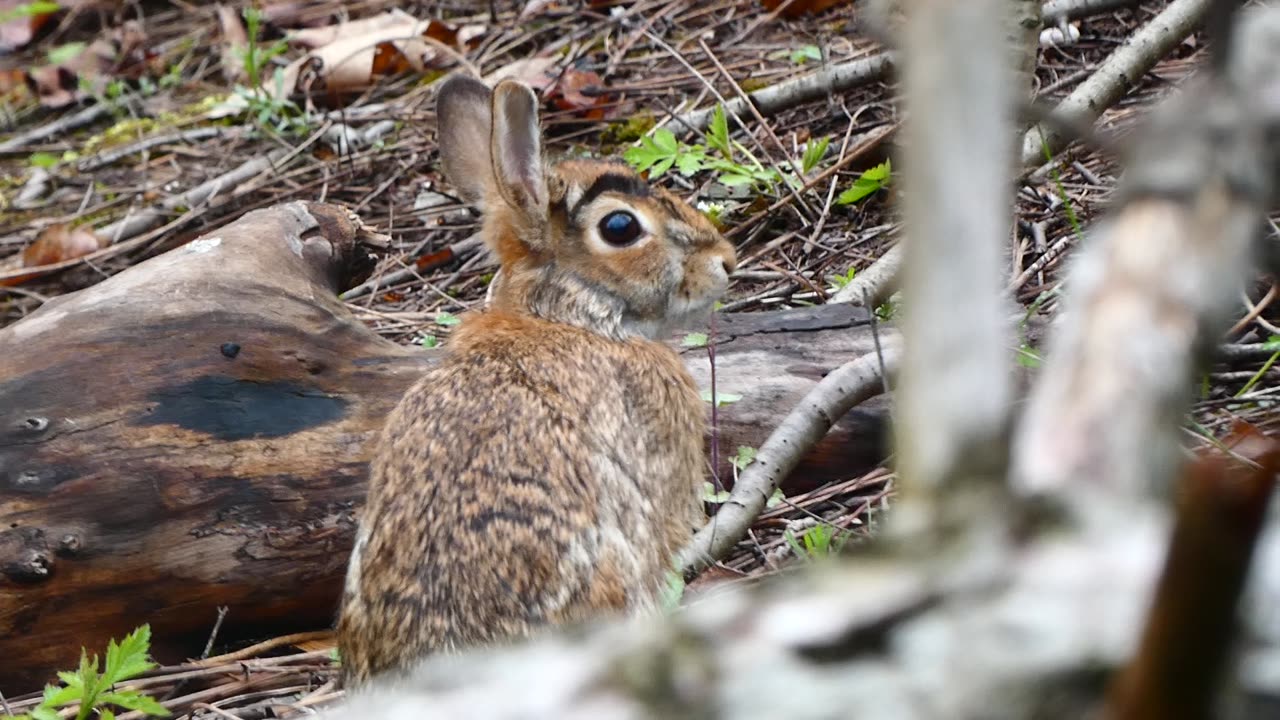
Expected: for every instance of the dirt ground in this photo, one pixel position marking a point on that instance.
(610, 72)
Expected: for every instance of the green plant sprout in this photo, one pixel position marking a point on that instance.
(659, 152)
(93, 692)
(817, 542)
(269, 111)
(872, 180)
(694, 340)
(840, 281)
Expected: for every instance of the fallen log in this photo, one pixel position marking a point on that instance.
(193, 433)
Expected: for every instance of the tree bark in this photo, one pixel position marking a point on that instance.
(193, 433)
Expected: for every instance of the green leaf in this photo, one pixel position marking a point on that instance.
(129, 658)
(776, 498)
(872, 180)
(711, 495)
(722, 398)
(806, 53)
(735, 180)
(746, 455)
(814, 151)
(718, 132)
(1272, 343)
(43, 160)
(56, 696)
(665, 141)
(106, 715)
(133, 700)
(44, 713)
(694, 340)
(662, 167)
(688, 163)
(841, 281)
(428, 341)
(1028, 357)
(65, 53)
(447, 319)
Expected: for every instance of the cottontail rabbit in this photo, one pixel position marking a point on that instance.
(549, 467)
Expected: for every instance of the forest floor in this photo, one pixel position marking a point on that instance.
(162, 90)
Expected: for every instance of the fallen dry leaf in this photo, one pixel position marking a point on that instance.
(536, 72)
(349, 57)
(121, 52)
(23, 20)
(801, 7)
(60, 242)
(579, 91)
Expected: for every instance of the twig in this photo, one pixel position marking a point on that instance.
(213, 634)
(1053, 10)
(1255, 310)
(63, 124)
(144, 220)
(832, 79)
(433, 260)
(108, 157)
(264, 646)
(804, 426)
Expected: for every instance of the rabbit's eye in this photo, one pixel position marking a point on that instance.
(619, 228)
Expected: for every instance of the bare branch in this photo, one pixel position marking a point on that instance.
(835, 78)
(1121, 71)
(803, 427)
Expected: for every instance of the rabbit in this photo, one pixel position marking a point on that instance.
(549, 467)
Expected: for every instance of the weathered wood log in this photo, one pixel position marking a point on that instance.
(193, 433)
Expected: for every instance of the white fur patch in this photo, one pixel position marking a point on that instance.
(352, 587)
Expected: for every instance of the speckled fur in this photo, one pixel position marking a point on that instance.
(549, 467)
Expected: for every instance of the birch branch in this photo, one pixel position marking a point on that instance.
(1121, 71)
(803, 427)
(835, 78)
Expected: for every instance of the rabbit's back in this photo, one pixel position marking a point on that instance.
(540, 474)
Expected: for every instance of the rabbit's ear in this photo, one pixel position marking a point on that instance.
(516, 149)
(464, 118)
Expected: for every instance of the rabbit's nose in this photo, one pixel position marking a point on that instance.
(729, 263)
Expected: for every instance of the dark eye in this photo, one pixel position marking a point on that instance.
(619, 228)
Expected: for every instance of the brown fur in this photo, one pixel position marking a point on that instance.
(547, 470)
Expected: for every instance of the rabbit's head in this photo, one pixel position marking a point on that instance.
(584, 242)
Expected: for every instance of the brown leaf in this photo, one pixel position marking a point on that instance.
(349, 57)
(122, 52)
(18, 32)
(536, 72)
(801, 7)
(570, 92)
(320, 36)
(60, 242)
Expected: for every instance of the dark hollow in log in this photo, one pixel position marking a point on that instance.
(193, 433)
